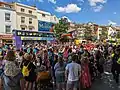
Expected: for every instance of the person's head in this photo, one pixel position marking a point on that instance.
(74, 57)
(28, 57)
(60, 60)
(10, 56)
(21, 53)
(117, 51)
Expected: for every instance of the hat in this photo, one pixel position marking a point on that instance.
(27, 56)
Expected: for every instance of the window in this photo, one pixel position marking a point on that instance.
(30, 12)
(22, 19)
(7, 16)
(43, 15)
(7, 6)
(55, 18)
(30, 20)
(30, 28)
(8, 29)
(22, 10)
(23, 28)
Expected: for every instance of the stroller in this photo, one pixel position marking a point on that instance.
(44, 78)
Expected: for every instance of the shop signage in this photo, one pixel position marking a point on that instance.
(37, 38)
(6, 36)
(44, 26)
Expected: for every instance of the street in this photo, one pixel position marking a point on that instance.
(106, 83)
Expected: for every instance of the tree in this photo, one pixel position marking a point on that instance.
(61, 28)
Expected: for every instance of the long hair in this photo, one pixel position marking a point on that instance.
(60, 60)
(10, 56)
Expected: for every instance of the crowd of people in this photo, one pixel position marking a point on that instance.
(68, 66)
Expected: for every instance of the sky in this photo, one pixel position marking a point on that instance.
(103, 12)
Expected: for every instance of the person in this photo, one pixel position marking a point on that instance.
(85, 75)
(99, 62)
(116, 66)
(2, 63)
(60, 73)
(72, 73)
(12, 77)
(31, 78)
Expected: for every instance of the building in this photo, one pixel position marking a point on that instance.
(7, 22)
(26, 17)
(46, 21)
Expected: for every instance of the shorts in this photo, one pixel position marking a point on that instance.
(72, 84)
(60, 78)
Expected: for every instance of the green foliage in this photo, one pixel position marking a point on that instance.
(118, 35)
(61, 28)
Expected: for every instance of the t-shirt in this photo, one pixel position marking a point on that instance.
(59, 69)
(73, 71)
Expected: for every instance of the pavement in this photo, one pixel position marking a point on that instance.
(106, 83)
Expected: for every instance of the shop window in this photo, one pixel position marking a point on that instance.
(22, 19)
(7, 16)
(22, 10)
(8, 29)
(30, 20)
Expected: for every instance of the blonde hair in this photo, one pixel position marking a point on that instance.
(27, 56)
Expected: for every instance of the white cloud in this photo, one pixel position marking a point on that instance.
(114, 13)
(98, 8)
(52, 1)
(111, 22)
(70, 8)
(95, 2)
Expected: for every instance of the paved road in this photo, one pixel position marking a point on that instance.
(106, 83)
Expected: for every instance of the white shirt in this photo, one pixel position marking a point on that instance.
(74, 70)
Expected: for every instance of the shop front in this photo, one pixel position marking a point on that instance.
(6, 39)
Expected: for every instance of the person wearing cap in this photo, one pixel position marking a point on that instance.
(28, 61)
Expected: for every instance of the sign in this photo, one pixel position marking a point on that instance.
(37, 38)
(6, 36)
(44, 26)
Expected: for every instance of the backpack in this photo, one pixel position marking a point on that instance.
(25, 70)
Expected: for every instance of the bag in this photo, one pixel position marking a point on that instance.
(25, 70)
(118, 61)
(43, 75)
(11, 83)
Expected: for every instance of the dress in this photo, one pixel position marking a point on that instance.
(85, 76)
